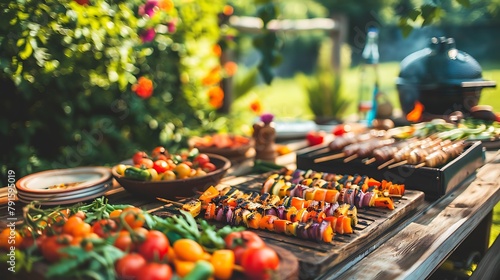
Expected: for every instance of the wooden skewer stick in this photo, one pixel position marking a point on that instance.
(178, 204)
(422, 164)
(403, 162)
(348, 159)
(370, 161)
(383, 165)
(330, 157)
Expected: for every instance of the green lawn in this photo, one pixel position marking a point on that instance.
(287, 100)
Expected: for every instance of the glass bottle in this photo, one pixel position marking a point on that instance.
(368, 86)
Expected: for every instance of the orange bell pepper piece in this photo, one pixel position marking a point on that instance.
(384, 202)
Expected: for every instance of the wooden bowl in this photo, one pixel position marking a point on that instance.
(176, 188)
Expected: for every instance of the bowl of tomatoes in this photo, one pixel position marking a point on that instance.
(171, 176)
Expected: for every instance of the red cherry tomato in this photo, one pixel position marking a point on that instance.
(138, 156)
(104, 227)
(145, 163)
(208, 167)
(158, 151)
(315, 137)
(161, 166)
(155, 271)
(259, 263)
(51, 246)
(338, 130)
(240, 241)
(498, 116)
(155, 247)
(201, 159)
(130, 266)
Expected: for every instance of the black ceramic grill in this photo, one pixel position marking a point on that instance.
(441, 78)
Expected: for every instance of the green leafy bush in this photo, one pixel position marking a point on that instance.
(72, 93)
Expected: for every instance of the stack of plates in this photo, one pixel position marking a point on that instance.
(65, 186)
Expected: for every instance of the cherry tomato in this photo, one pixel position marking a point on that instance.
(223, 263)
(10, 238)
(182, 170)
(105, 227)
(130, 266)
(51, 246)
(201, 159)
(339, 130)
(76, 227)
(497, 116)
(259, 263)
(208, 167)
(145, 163)
(159, 152)
(133, 217)
(188, 250)
(123, 241)
(115, 214)
(155, 271)
(138, 156)
(240, 241)
(155, 247)
(161, 166)
(315, 137)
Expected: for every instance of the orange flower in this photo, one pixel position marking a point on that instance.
(228, 10)
(166, 5)
(213, 77)
(217, 50)
(256, 106)
(143, 88)
(215, 97)
(230, 67)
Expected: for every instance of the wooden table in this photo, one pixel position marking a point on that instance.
(417, 247)
(414, 247)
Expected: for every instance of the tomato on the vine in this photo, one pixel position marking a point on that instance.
(130, 266)
(240, 241)
(155, 247)
(155, 271)
(259, 263)
(188, 250)
(51, 246)
(105, 227)
(76, 227)
(123, 241)
(133, 216)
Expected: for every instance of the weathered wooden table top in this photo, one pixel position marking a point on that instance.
(410, 249)
(414, 249)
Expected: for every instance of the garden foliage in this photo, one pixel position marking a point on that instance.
(89, 82)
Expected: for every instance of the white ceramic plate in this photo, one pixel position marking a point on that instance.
(82, 192)
(77, 178)
(70, 200)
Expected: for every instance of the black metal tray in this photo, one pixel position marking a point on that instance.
(434, 182)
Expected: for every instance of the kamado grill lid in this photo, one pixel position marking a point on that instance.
(441, 65)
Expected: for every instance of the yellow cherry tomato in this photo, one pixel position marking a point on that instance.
(188, 250)
(223, 262)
